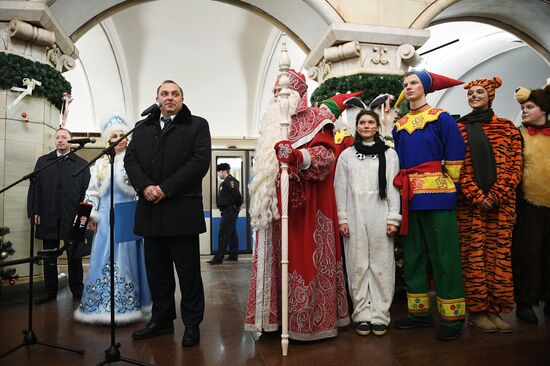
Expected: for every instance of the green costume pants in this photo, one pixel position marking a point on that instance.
(433, 235)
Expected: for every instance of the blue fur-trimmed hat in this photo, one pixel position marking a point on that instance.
(115, 123)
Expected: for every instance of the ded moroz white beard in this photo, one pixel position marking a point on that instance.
(263, 189)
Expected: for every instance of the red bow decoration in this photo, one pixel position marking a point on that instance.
(533, 131)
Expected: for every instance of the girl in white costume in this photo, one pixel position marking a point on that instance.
(368, 216)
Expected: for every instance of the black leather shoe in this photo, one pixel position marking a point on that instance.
(44, 298)
(410, 323)
(445, 333)
(527, 314)
(232, 259)
(153, 330)
(212, 261)
(191, 336)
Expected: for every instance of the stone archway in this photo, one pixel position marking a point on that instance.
(527, 20)
(303, 21)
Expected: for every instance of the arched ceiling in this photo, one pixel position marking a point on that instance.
(306, 20)
(527, 19)
(303, 20)
(485, 51)
(221, 55)
(79, 16)
(225, 56)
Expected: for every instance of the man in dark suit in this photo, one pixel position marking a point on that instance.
(52, 203)
(166, 161)
(229, 202)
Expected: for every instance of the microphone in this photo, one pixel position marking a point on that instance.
(82, 141)
(151, 109)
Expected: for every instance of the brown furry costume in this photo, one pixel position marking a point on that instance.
(531, 241)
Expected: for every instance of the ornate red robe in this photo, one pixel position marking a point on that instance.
(317, 297)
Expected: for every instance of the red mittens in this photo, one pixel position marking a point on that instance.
(286, 153)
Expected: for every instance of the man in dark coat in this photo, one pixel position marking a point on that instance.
(166, 161)
(229, 202)
(52, 202)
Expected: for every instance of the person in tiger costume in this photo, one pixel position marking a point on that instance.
(486, 207)
(531, 238)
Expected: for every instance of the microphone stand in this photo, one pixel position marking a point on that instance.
(112, 354)
(29, 336)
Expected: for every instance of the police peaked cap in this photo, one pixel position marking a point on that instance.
(222, 166)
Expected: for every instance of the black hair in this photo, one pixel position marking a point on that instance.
(169, 82)
(361, 114)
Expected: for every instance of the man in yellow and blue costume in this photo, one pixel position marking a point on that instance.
(431, 152)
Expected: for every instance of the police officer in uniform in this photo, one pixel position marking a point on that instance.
(229, 202)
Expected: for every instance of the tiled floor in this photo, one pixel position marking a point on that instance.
(224, 342)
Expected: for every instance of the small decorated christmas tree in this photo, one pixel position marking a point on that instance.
(5, 251)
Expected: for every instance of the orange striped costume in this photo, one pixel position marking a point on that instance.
(486, 236)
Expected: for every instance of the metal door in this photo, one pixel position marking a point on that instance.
(239, 161)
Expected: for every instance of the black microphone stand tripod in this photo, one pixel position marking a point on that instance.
(112, 354)
(29, 336)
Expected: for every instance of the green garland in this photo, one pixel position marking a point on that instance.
(371, 84)
(13, 69)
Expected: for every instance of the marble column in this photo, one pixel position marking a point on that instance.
(347, 49)
(27, 129)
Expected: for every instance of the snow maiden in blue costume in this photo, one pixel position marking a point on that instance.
(132, 297)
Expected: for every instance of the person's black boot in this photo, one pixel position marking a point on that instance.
(191, 336)
(47, 297)
(527, 314)
(445, 333)
(411, 323)
(152, 330)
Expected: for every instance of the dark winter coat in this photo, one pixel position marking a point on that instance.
(176, 158)
(55, 195)
(229, 194)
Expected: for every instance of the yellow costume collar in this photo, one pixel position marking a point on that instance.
(418, 118)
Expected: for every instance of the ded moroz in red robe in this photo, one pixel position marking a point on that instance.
(317, 297)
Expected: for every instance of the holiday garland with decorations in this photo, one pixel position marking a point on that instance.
(13, 69)
(6, 250)
(370, 84)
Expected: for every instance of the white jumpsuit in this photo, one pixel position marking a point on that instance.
(369, 250)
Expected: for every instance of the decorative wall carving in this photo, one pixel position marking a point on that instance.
(60, 61)
(28, 32)
(350, 49)
(380, 55)
(342, 52)
(365, 58)
(35, 43)
(320, 72)
(408, 55)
